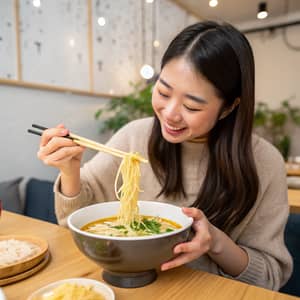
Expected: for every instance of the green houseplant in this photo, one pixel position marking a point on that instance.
(273, 124)
(119, 111)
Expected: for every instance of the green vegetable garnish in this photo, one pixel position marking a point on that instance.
(119, 227)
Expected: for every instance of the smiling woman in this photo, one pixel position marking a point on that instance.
(203, 156)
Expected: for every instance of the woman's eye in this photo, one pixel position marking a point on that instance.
(163, 95)
(191, 109)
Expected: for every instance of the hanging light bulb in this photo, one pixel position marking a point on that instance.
(72, 43)
(262, 10)
(147, 71)
(213, 3)
(36, 3)
(101, 21)
(156, 43)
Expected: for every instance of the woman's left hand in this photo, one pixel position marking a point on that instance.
(202, 242)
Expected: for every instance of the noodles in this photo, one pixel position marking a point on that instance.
(129, 190)
(128, 222)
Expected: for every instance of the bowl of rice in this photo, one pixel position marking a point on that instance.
(129, 261)
(19, 253)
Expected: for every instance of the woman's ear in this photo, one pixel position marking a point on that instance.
(227, 111)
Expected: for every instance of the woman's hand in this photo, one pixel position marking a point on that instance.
(229, 256)
(203, 241)
(60, 152)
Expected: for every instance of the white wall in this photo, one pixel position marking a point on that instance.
(113, 43)
(278, 75)
(21, 107)
(278, 71)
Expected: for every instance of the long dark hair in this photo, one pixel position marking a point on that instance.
(221, 54)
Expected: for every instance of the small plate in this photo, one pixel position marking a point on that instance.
(27, 263)
(2, 296)
(27, 273)
(98, 286)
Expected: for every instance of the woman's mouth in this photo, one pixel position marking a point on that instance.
(173, 130)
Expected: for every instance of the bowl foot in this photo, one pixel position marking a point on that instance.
(129, 280)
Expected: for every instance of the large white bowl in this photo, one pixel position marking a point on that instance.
(129, 261)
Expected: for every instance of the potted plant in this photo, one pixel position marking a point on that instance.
(119, 111)
(273, 124)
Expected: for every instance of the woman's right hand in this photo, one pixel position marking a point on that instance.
(58, 151)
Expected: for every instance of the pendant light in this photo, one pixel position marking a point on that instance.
(146, 71)
(262, 12)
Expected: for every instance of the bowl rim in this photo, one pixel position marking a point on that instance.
(127, 238)
(77, 280)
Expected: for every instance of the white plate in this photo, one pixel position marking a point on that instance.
(98, 286)
(2, 296)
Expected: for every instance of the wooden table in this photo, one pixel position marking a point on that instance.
(68, 262)
(293, 172)
(294, 200)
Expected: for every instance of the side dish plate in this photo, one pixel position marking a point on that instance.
(98, 286)
(28, 262)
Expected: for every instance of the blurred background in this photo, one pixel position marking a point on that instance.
(65, 61)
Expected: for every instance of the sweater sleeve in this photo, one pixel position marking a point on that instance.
(270, 264)
(97, 176)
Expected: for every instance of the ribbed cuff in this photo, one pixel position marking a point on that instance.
(68, 201)
(254, 272)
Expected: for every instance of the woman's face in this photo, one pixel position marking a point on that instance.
(185, 103)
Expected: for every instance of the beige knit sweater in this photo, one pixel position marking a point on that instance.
(260, 233)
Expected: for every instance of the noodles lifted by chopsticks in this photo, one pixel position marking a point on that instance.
(129, 190)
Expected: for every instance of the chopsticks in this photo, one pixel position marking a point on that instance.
(88, 143)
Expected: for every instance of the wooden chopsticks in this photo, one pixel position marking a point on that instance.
(88, 143)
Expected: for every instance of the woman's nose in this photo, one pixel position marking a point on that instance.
(173, 112)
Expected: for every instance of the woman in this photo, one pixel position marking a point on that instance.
(203, 156)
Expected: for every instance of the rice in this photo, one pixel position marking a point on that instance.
(13, 251)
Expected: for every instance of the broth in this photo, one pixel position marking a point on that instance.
(145, 225)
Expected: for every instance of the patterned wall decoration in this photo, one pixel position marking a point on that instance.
(125, 43)
(8, 61)
(55, 41)
(116, 45)
(170, 20)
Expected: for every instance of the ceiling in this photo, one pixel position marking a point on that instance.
(238, 11)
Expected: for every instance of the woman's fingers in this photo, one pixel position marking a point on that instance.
(193, 249)
(62, 155)
(48, 134)
(180, 260)
(187, 252)
(53, 145)
(193, 212)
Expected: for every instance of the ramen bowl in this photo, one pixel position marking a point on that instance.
(129, 261)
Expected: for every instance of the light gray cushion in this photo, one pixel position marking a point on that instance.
(10, 195)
